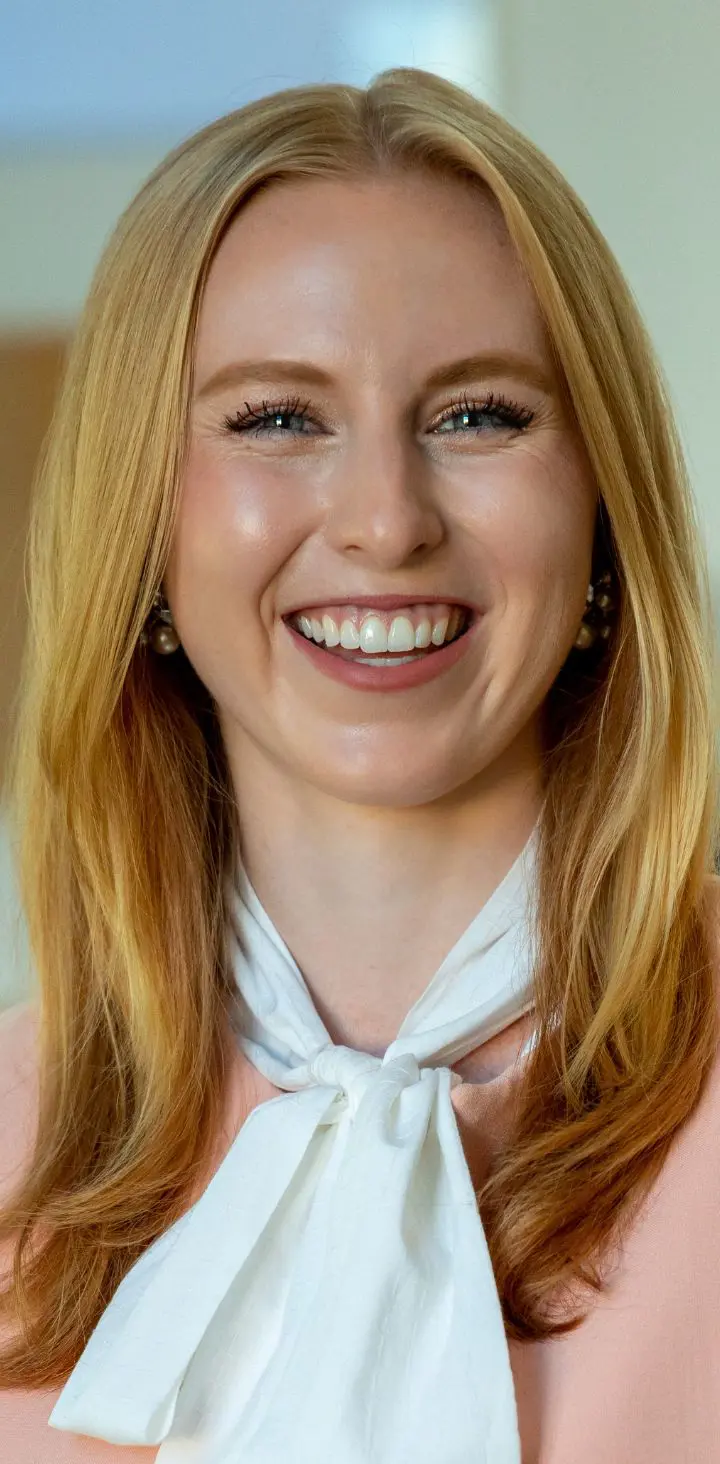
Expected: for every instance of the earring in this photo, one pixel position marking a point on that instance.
(160, 631)
(597, 624)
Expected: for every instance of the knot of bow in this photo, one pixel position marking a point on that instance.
(353, 1073)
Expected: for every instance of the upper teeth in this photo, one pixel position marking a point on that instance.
(374, 633)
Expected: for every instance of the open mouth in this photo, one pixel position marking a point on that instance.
(390, 658)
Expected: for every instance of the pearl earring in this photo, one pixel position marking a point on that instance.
(160, 632)
(600, 603)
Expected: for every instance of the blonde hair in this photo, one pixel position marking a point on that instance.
(122, 794)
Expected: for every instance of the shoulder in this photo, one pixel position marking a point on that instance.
(18, 1090)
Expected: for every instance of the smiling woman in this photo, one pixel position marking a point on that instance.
(367, 788)
(435, 458)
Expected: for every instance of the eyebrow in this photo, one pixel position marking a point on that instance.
(468, 368)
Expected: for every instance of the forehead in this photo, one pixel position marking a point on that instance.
(380, 273)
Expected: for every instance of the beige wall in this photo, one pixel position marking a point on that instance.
(58, 208)
(625, 97)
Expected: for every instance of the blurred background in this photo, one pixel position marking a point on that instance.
(622, 95)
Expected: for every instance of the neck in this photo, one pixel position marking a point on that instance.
(370, 900)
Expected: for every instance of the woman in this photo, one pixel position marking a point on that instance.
(370, 640)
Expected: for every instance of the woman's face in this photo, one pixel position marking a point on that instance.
(370, 479)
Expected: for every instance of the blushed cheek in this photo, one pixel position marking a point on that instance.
(200, 566)
(215, 514)
(539, 547)
(232, 535)
(536, 546)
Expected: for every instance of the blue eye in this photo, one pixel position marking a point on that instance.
(264, 418)
(492, 412)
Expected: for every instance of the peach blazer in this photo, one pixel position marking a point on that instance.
(637, 1383)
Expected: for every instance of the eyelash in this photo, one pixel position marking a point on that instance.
(510, 413)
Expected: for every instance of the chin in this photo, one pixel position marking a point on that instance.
(378, 784)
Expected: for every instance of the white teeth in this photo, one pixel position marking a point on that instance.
(401, 636)
(388, 660)
(330, 631)
(374, 637)
(349, 636)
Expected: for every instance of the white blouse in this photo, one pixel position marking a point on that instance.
(330, 1298)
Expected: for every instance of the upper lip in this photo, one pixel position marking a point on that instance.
(383, 602)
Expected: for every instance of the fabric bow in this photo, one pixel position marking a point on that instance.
(329, 1299)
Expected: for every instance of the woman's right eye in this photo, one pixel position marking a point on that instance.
(263, 418)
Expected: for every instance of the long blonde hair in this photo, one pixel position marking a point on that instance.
(122, 796)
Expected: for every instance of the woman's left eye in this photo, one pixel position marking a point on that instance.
(492, 412)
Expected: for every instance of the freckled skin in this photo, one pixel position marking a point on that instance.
(387, 798)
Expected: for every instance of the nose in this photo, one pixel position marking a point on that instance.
(383, 504)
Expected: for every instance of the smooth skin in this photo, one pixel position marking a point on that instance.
(375, 825)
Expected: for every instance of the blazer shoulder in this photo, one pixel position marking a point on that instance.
(18, 1090)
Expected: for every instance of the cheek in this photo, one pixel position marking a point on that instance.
(232, 532)
(534, 528)
(537, 514)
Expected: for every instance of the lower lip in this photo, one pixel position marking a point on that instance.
(386, 678)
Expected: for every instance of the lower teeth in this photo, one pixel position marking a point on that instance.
(387, 660)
